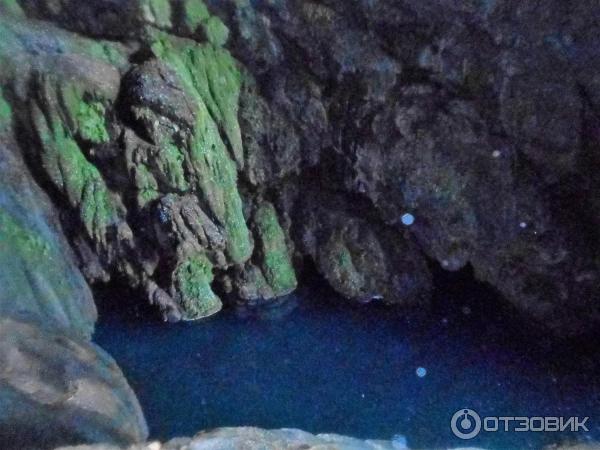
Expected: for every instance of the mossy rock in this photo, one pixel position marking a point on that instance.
(11, 8)
(6, 113)
(196, 17)
(60, 116)
(273, 254)
(216, 31)
(337, 264)
(157, 12)
(211, 79)
(195, 12)
(191, 282)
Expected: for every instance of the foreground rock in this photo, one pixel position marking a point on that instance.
(247, 438)
(55, 390)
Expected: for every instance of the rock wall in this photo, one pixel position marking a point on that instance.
(56, 387)
(478, 119)
(204, 152)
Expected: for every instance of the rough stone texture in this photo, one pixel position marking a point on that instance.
(38, 273)
(197, 148)
(57, 390)
(56, 387)
(286, 439)
(248, 438)
(481, 119)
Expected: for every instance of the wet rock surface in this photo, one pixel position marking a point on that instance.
(56, 390)
(203, 153)
(255, 438)
(162, 146)
(474, 117)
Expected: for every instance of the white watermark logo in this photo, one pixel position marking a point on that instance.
(466, 424)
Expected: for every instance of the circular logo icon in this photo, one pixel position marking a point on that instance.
(466, 424)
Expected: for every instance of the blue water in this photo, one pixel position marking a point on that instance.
(370, 371)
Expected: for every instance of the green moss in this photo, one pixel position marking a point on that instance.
(84, 117)
(25, 252)
(91, 122)
(196, 16)
(194, 13)
(11, 8)
(217, 180)
(211, 80)
(171, 164)
(212, 77)
(5, 112)
(146, 184)
(27, 243)
(216, 31)
(105, 51)
(192, 279)
(157, 12)
(222, 82)
(337, 264)
(275, 260)
(79, 179)
(157, 169)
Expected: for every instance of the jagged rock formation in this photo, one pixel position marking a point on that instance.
(144, 156)
(204, 152)
(56, 387)
(200, 150)
(478, 118)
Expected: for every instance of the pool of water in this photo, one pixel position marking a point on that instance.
(316, 363)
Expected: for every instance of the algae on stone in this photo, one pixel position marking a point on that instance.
(210, 75)
(194, 13)
(217, 179)
(146, 184)
(157, 12)
(156, 170)
(196, 16)
(216, 31)
(337, 264)
(11, 8)
(274, 257)
(5, 112)
(213, 170)
(191, 280)
(35, 274)
(91, 122)
(80, 180)
(61, 115)
(170, 163)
